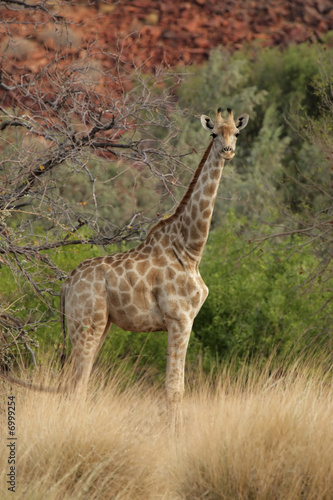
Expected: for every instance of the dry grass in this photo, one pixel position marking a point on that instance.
(251, 436)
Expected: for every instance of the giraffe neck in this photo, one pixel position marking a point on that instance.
(194, 213)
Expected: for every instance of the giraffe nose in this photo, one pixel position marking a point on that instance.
(227, 149)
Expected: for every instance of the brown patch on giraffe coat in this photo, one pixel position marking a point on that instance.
(184, 305)
(206, 213)
(74, 275)
(86, 299)
(182, 342)
(177, 354)
(191, 285)
(203, 179)
(138, 256)
(91, 263)
(110, 275)
(185, 233)
(160, 262)
(99, 304)
(145, 250)
(175, 339)
(215, 174)
(204, 204)
(90, 339)
(202, 227)
(114, 298)
(131, 310)
(186, 220)
(110, 259)
(177, 226)
(180, 282)
(170, 289)
(209, 190)
(80, 287)
(73, 301)
(140, 295)
(142, 267)
(119, 270)
(86, 272)
(99, 317)
(128, 264)
(98, 287)
(157, 252)
(195, 300)
(194, 234)
(99, 268)
(154, 276)
(125, 297)
(169, 273)
(194, 212)
(165, 240)
(132, 277)
(196, 196)
(169, 253)
(124, 286)
(173, 306)
(89, 334)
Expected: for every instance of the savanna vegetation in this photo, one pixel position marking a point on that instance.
(268, 261)
(246, 435)
(91, 157)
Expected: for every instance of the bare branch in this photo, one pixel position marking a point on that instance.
(88, 157)
(37, 7)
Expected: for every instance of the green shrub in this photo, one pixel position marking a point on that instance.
(255, 305)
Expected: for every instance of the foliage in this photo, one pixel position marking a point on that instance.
(255, 306)
(93, 156)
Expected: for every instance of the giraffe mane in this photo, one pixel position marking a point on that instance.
(187, 195)
(193, 182)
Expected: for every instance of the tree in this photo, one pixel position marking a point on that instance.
(81, 151)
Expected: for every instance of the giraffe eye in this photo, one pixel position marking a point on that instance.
(237, 134)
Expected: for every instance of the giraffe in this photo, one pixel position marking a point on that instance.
(156, 286)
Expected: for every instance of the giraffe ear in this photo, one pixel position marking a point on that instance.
(242, 121)
(206, 122)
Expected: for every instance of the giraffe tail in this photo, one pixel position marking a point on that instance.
(28, 385)
(63, 325)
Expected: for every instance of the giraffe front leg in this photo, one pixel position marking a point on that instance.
(178, 338)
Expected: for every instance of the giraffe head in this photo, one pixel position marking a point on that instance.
(225, 131)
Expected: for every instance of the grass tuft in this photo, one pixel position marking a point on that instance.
(247, 434)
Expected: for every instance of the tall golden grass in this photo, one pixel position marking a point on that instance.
(249, 434)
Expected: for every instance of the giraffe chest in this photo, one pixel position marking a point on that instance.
(183, 297)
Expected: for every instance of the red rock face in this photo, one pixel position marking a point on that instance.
(168, 32)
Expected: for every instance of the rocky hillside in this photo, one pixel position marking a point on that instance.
(177, 32)
(155, 32)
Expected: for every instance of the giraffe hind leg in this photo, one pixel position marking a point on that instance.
(85, 346)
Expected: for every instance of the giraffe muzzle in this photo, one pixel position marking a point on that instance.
(228, 153)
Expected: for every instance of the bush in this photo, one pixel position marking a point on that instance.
(254, 306)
